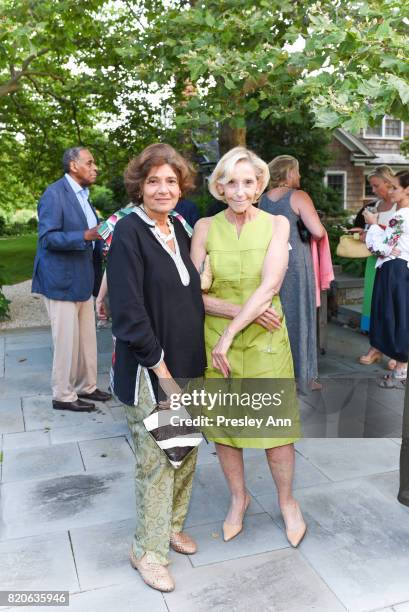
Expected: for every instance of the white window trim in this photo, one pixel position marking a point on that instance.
(383, 136)
(339, 173)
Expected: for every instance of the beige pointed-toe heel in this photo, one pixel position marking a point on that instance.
(231, 530)
(295, 536)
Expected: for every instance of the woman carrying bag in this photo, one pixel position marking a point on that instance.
(157, 319)
(385, 207)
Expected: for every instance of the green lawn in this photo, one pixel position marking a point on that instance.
(16, 258)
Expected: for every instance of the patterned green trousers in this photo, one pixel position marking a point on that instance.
(162, 493)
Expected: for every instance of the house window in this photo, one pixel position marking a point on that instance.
(373, 132)
(393, 127)
(368, 190)
(337, 181)
(390, 128)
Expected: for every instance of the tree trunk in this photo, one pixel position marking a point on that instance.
(230, 137)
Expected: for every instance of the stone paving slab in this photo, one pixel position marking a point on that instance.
(88, 431)
(207, 454)
(2, 351)
(340, 459)
(260, 534)
(331, 366)
(42, 563)
(279, 581)
(20, 361)
(391, 399)
(210, 497)
(39, 413)
(358, 542)
(28, 339)
(102, 555)
(34, 382)
(26, 439)
(118, 413)
(11, 416)
(129, 597)
(58, 504)
(104, 340)
(28, 464)
(382, 422)
(107, 454)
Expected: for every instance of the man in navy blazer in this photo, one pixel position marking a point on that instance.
(67, 272)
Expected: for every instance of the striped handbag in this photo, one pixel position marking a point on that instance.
(173, 436)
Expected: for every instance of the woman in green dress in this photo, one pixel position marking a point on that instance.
(245, 333)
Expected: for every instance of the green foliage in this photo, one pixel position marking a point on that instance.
(102, 200)
(17, 257)
(202, 201)
(4, 302)
(297, 136)
(117, 76)
(352, 70)
(4, 306)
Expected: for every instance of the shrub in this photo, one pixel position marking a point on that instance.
(4, 302)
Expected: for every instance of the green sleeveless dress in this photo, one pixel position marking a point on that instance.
(256, 353)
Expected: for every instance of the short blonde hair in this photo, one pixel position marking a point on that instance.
(384, 173)
(225, 166)
(279, 168)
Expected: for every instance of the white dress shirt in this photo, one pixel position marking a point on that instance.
(82, 194)
(382, 241)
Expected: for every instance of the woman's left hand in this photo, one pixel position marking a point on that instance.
(219, 353)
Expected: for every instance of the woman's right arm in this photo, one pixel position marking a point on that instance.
(302, 205)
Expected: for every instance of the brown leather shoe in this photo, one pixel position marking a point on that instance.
(183, 543)
(77, 406)
(153, 574)
(96, 396)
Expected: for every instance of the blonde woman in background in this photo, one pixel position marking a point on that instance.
(381, 182)
(298, 289)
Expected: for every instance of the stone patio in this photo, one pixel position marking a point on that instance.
(67, 499)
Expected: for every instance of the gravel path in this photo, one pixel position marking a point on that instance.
(26, 309)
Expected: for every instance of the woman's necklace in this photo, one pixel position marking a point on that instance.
(165, 238)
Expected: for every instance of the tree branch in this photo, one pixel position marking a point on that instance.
(13, 84)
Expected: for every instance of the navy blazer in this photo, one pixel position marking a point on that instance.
(66, 267)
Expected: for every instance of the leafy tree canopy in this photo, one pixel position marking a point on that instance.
(119, 74)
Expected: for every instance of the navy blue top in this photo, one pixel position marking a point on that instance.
(188, 210)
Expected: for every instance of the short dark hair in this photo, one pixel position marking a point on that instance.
(156, 155)
(70, 155)
(403, 178)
